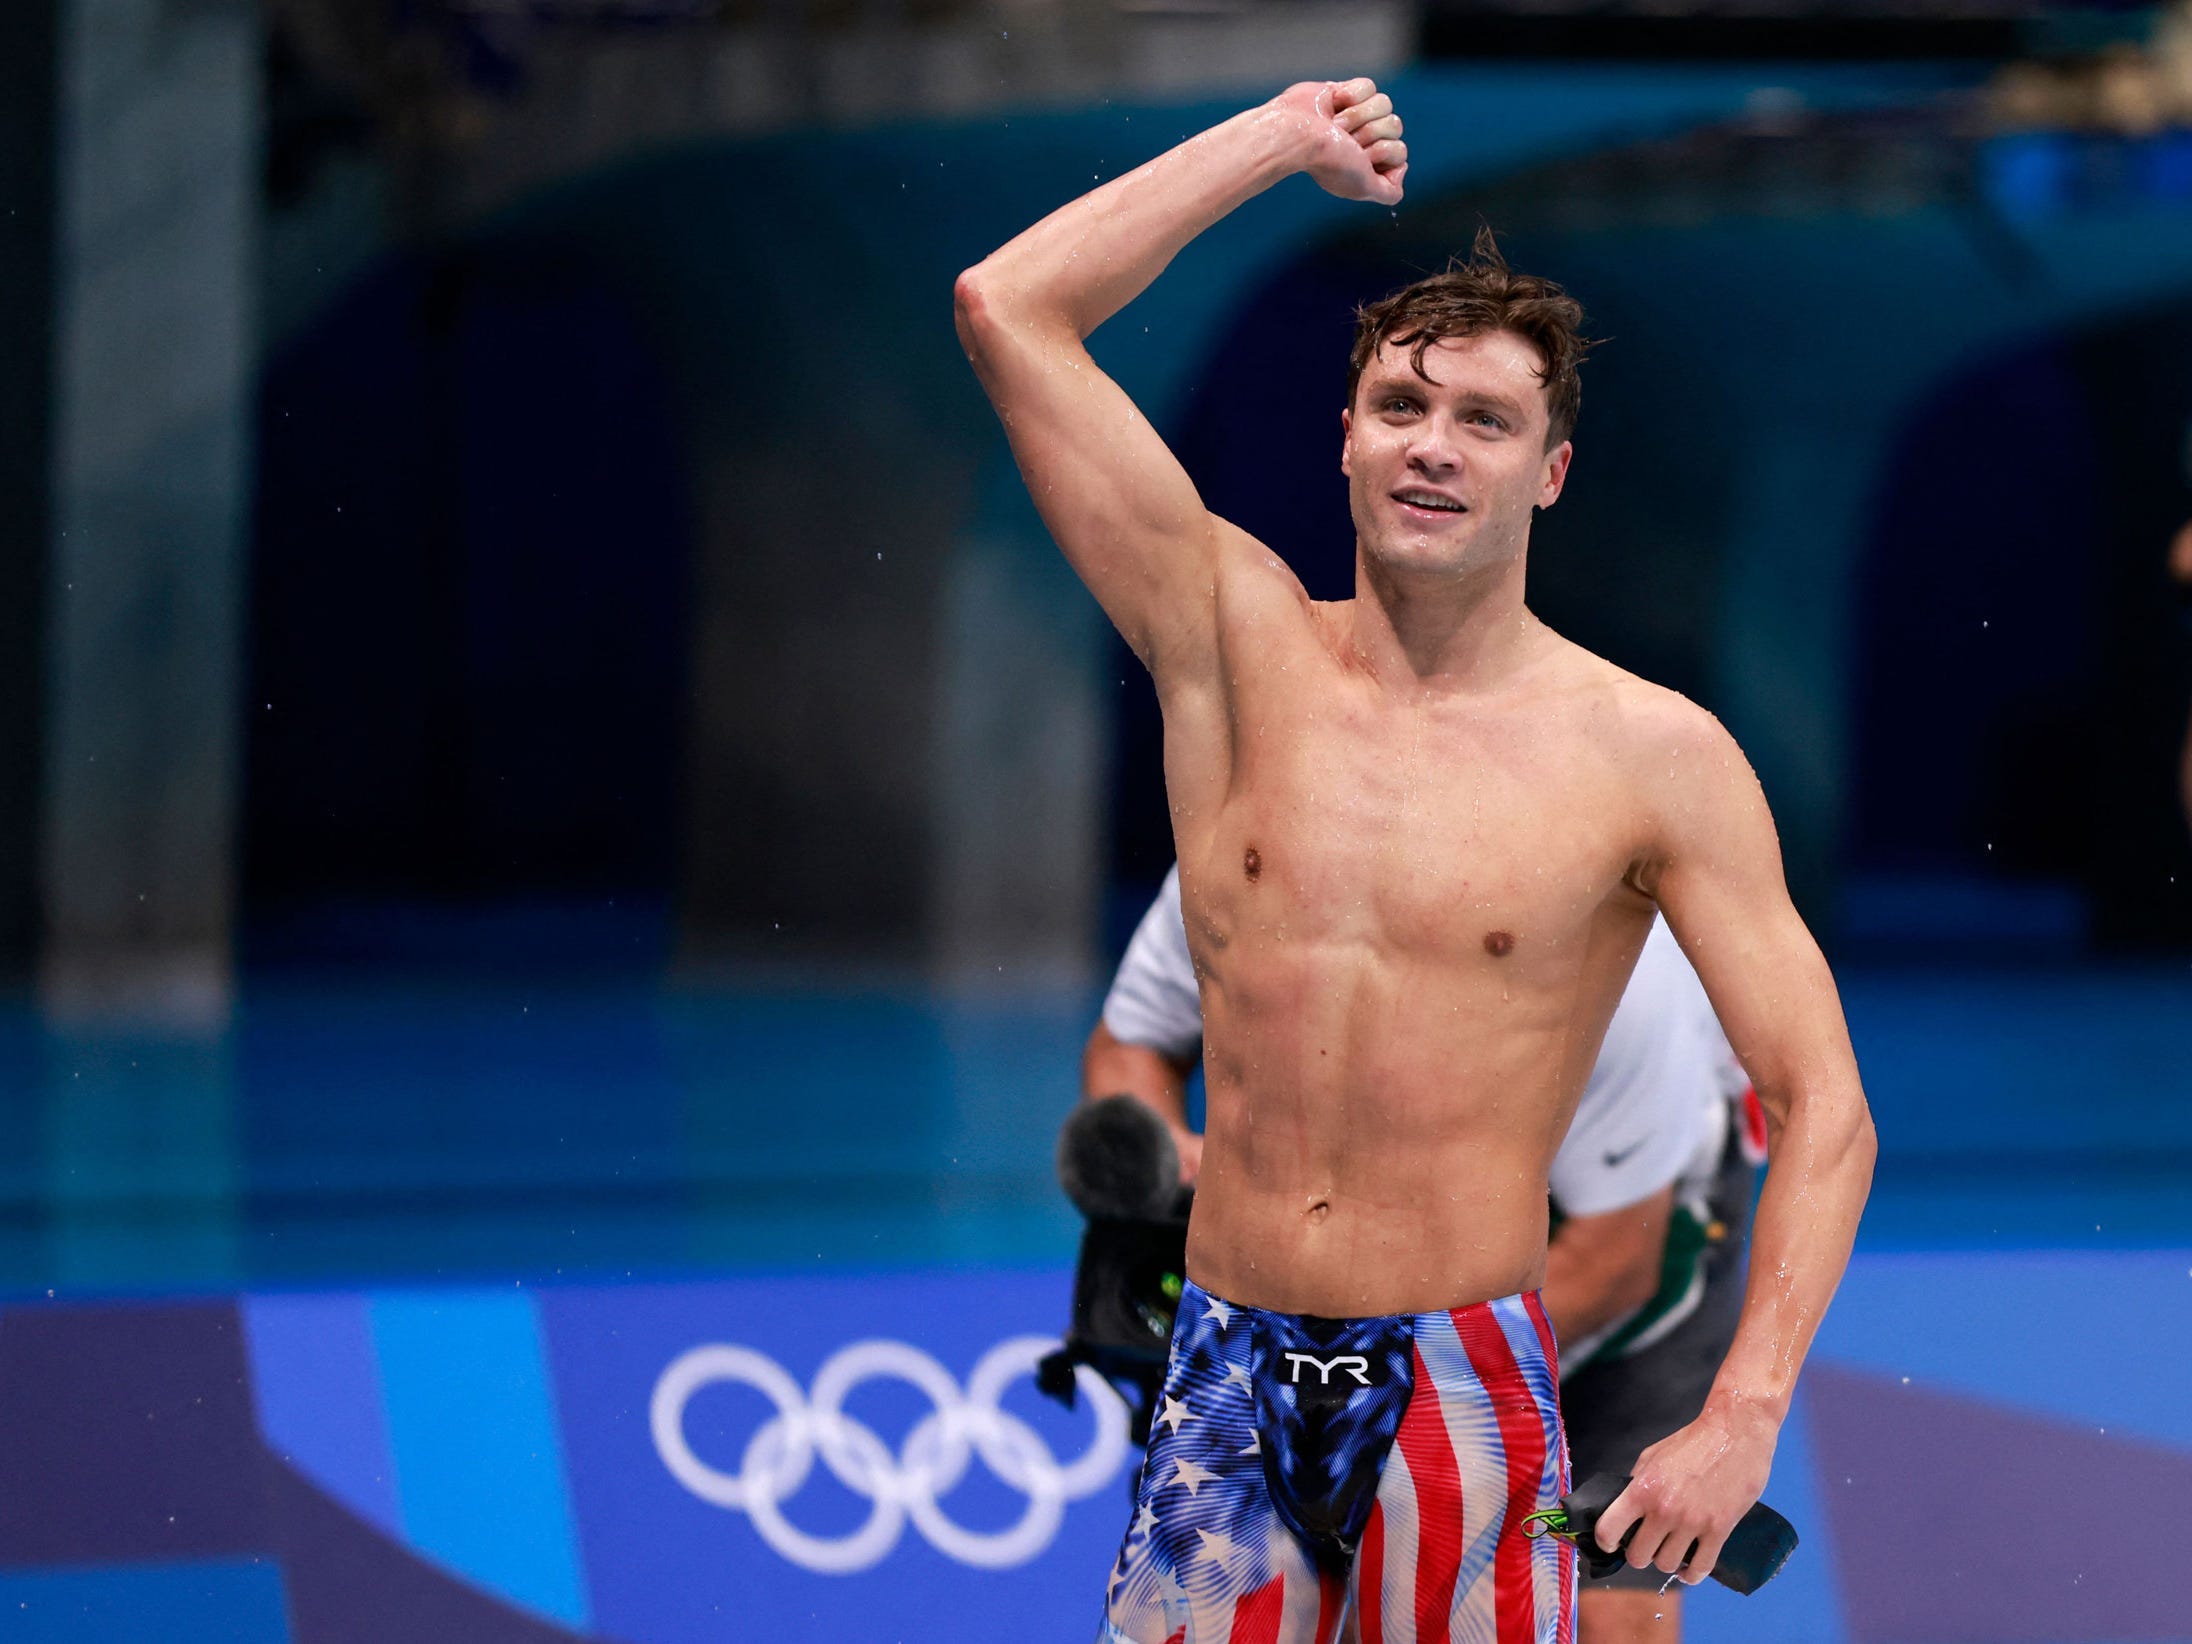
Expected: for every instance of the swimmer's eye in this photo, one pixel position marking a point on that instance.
(1489, 419)
(1397, 402)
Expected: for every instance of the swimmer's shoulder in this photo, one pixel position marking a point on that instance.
(1612, 700)
(1254, 583)
(1657, 718)
(1644, 727)
(1687, 779)
(1246, 559)
(1251, 595)
(1632, 712)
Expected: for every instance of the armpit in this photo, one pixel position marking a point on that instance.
(1643, 877)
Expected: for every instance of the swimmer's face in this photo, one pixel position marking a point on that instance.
(1443, 467)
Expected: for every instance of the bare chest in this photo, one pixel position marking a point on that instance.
(1482, 832)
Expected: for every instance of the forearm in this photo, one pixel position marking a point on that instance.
(1601, 1268)
(1819, 1173)
(1112, 1067)
(1085, 261)
(1582, 1298)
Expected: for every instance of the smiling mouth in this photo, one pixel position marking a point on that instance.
(1428, 505)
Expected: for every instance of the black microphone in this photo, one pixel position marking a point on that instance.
(1116, 1158)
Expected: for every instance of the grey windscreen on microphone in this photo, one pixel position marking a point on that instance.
(1116, 1157)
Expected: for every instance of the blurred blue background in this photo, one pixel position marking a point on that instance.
(544, 742)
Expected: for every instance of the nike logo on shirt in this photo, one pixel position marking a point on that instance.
(1613, 1158)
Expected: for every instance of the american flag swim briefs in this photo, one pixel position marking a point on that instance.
(1299, 1467)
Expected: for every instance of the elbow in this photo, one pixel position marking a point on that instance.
(1852, 1129)
(966, 294)
(991, 306)
(1865, 1141)
(972, 308)
(1835, 1124)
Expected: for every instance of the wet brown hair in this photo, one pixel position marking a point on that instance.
(1476, 294)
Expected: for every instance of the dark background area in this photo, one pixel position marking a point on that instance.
(469, 603)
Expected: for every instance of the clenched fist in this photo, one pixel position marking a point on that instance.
(1357, 153)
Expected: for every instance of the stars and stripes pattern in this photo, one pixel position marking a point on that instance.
(1441, 1559)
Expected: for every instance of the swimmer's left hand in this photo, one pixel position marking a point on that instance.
(1689, 1490)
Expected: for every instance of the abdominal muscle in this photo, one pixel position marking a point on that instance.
(1378, 1134)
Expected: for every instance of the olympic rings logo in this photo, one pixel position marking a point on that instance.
(934, 1458)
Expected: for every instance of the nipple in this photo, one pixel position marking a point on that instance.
(1252, 864)
(1498, 943)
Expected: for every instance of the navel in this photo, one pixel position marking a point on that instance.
(1498, 943)
(1252, 864)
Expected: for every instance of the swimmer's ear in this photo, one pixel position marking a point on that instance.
(1556, 473)
(1347, 427)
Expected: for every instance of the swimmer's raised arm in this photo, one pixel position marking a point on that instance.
(1715, 869)
(1118, 502)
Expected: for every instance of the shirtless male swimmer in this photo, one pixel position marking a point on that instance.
(1421, 840)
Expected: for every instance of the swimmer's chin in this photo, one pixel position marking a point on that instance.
(1426, 554)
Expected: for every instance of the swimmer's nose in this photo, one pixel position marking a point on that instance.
(1434, 452)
